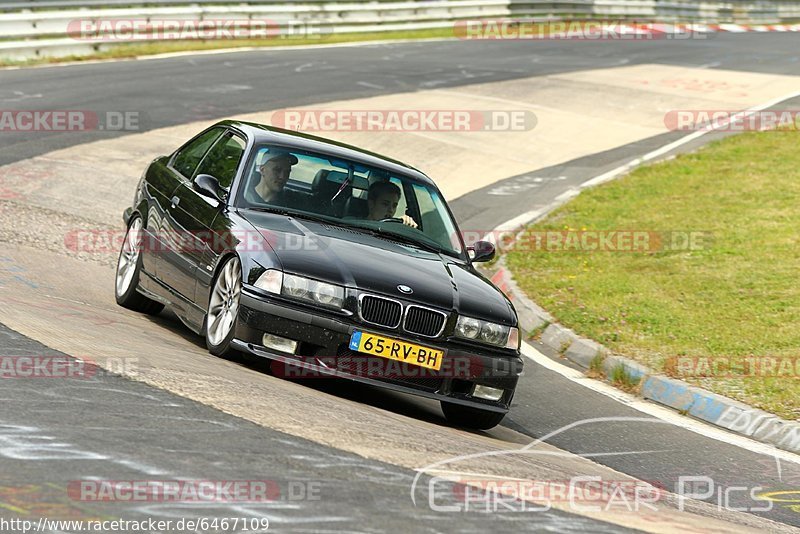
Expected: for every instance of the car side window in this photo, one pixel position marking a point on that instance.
(223, 159)
(434, 224)
(188, 157)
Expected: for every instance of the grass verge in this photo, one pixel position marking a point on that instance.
(726, 315)
(124, 51)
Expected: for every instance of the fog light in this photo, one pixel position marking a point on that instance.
(487, 393)
(279, 343)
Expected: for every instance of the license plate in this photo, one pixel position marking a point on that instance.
(393, 349)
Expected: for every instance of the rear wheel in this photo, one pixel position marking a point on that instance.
(223, 309)
(469, 417)
(129, 266)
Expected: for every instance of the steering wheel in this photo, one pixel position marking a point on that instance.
(392, 219)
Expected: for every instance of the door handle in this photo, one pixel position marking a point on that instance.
(175, 201)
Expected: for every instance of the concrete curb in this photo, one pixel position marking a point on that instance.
(720, 411)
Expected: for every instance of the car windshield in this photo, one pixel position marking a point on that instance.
(351, 194)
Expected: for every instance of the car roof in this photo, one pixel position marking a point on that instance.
(262, 133)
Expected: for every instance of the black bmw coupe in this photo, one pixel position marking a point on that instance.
(327, 259)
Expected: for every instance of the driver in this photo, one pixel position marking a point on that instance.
(382, 200)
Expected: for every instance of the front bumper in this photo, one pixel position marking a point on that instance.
(323, 351)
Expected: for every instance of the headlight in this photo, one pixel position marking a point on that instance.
(271, 281)
(468, 327)
(302, 288)
(486, 332)
(296, 286)
(494, 334)
(328, 294)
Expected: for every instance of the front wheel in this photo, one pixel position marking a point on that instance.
(129, 267)
(469, 417)
(223, 309)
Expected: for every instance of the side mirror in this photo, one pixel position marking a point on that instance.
(208, 186)
(482, 251)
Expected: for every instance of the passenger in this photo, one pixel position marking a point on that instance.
(382, 200)
(274, 173)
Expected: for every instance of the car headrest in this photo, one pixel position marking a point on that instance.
(338, 177)
(326, 183)
(359, 182)
(320, 181)
(374, 175)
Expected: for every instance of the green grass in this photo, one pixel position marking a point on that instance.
(622, 379)
(132, 50)
(596, 368)
(736, 297)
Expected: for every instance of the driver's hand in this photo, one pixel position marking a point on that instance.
(408, 221)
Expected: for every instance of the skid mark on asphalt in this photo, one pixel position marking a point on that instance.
(31, 444)
(18, 96)
(332, 472)
(28, 443)
(222, 89)
(13, 274)
(98, 392)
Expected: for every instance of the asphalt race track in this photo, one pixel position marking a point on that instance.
(188, 415)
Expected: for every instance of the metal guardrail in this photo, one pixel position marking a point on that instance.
(39, 33)
(32, 28)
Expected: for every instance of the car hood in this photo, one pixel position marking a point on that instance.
(375, 264)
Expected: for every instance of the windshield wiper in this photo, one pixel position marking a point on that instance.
(404, 239)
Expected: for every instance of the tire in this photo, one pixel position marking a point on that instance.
(129, 266)
(469, 417)
(223, 309)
